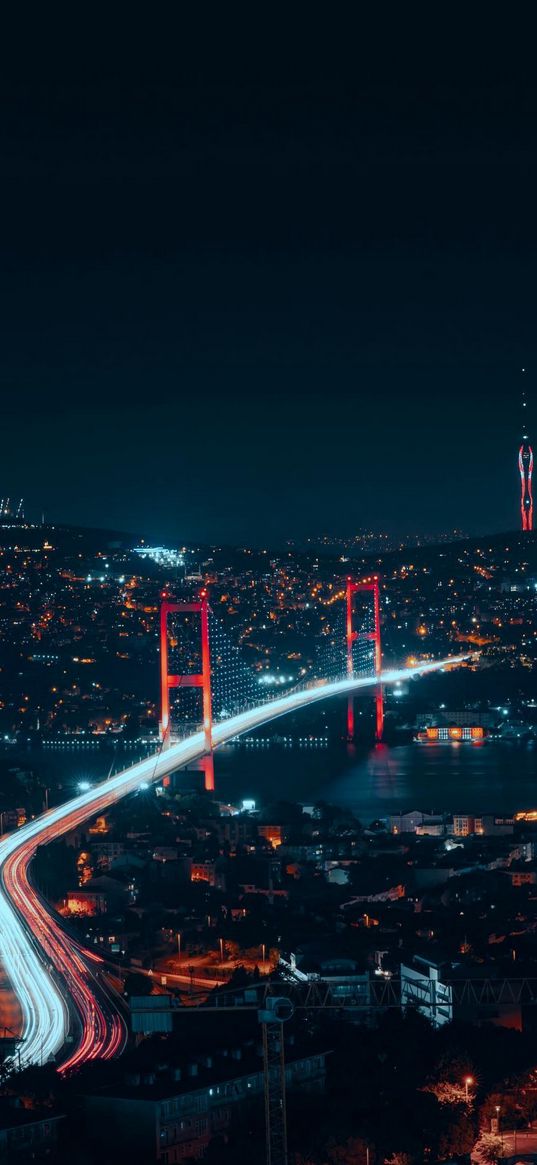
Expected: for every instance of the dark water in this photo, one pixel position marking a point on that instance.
(496, 777)
(490, 777)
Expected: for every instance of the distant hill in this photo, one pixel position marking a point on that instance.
(70, 539)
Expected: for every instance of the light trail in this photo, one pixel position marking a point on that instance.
(52, 978)
(103, 1031)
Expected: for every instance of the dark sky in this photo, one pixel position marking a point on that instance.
(258, 285)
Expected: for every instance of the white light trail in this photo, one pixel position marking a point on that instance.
(45, 1011)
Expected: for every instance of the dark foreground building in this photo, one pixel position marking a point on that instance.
(171, 1113)
(27, 1134)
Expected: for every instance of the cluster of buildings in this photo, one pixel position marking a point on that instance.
(186, 894)
(206, 888)
(79, 617)
(164, 1101)
(172, 1112)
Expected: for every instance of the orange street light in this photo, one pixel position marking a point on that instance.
(468, 1080)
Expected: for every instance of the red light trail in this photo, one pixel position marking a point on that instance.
(56, 981)
(103, 1030)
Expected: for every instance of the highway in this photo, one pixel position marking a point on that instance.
(57, 983)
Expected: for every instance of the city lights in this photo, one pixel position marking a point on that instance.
(45, 1015)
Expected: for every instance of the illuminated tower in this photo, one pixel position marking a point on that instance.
(525, 465)
(372, 585)
(198, 680)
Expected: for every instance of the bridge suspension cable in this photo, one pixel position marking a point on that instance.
(197, 652)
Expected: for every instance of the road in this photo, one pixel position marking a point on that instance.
(57, 983)
(102, 1031)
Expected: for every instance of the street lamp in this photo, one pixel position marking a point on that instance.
(497, 1107)
(178, 946)
(468, 1081)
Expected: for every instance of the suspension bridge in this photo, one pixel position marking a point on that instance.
(350, 647)
(67, 1009)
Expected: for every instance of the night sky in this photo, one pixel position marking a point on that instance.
(254, 292)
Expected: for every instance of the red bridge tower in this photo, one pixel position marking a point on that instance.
(372, 585)
(202, 680)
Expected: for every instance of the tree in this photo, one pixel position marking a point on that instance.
(239, 977)
(137, 984)
(490, 1148)
(352, 1152)
(37, 1086)
(447, 1093)
(54, 869)
(459, 1136)
(453, 1065)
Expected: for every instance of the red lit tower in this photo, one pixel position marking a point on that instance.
(201, 680)
(525, 465)
(372, 585)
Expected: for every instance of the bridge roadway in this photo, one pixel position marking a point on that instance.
(57, 982)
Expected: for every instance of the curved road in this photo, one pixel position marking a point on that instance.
(56, 981)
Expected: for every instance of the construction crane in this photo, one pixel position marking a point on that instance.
(272, 1016)
(276, 1001)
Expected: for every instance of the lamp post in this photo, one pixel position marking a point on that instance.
(468, 1080)
(178, 946)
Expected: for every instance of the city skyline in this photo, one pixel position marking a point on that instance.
(268, 571)
(198, 525)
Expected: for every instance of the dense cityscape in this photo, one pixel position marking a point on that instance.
(79, 613)
(404, 930)
(268, 588)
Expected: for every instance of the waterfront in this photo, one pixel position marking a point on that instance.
(495, 776)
